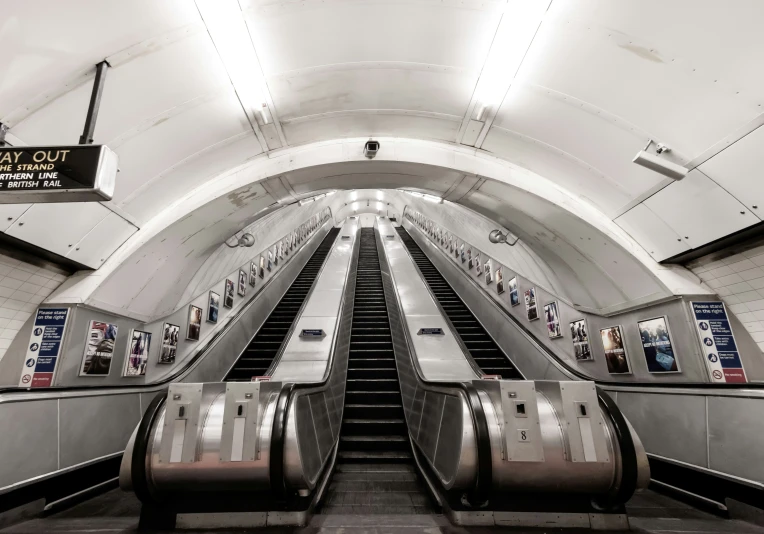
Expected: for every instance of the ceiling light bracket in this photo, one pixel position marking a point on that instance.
(3, 130)
(95, 103)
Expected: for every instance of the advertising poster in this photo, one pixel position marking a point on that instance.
(137, 353)
(170, 336)
(242, 290)
(530, 304)
(99, 349)
(44, 348)
(580, 335)
(281, 249)
(488, 273)
(499, 281)
(451, 244)
(262, 267)
(461, 253)
(455, 250)
(552, 315)
(228, 295)
(656, 343)
(478, 266)
(615, 350)
(252, 273)
(194, 323)
(213, 307)
(715, 333)
(274, 255)
(514, 296)
(270, 261)
(469, 258)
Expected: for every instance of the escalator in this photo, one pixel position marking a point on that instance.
(375, 470)
(484, 351)
(259, 354)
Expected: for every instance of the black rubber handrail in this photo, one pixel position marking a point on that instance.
(583, 376)
(484, 481)
(188, 365)
(138, 474)
(629, 465)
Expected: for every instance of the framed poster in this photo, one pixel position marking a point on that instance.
(461, 253)
(170, 336)
(99, 349)
(44, 348)
(275, 255)
(718, 342)
(242, 289)
(478, 267)
(262, 267)
(514, 296)
(252, 273)
(488, 273)
(580, 335)
(451, 244)
(213, 307)
(530, 304)
(455, 250)
(657, 346)
(270, 261)
(194, 323)
(137, 353)
(552, 315)
(228, 294)
(615, 350)
(281, 249)
(499, 281)
(469, 258)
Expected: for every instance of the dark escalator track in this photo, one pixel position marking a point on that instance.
(489, 357)
(375, 471)
(259, 354)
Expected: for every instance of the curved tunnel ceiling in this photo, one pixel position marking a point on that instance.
(599, 80)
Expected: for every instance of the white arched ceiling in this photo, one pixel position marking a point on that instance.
(598, 80)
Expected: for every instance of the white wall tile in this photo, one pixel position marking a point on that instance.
(757, 336)
(748, 296)
(740, 287)
(729, 279)
(751, 274)
(743, 265)
(724, 270)
(755, 326)
(739, 308)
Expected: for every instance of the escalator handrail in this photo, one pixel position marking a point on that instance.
(138, 474)
(289, 390)
(576, 373)
(484, 480)
(190, 363)
(629, 464)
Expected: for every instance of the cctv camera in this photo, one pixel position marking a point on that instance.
(370, 149)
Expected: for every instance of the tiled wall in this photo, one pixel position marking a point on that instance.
(22, 288)
(739, 281)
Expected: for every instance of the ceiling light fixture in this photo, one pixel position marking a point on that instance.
(513, 38)
(225, 23)
(658, 164)
(246, 240)
(497, 236)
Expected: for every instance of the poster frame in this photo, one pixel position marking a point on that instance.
(671, 338)
(127, 353)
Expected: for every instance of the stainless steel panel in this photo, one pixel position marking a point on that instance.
(183, 407)
(736, 437)
(238, 438)
(449, 450)
(28, 442)
(429, 429)
(92, 427)
(673, 426)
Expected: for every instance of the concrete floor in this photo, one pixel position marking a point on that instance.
(116, 512)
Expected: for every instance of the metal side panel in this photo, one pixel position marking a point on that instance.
(736, 436)
(27, 448)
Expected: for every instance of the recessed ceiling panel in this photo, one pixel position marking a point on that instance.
(297, 35)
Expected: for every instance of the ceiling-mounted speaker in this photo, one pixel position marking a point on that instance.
(660, 165)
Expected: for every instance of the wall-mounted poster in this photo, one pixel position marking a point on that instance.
(170, 336)
(262, 267)
(99, 349)
(530, 304)
(252, 273)
(275, 255)
(580, 335)
(451, 244)
(615, 350)
(44, 349)
(194, 323)
(718, 342)
(478, 266)
(499, 281)
(656, 342)
(514, 296)
(461, 253)
(270, 261)
(552, 315)
(281, 249)
(213, 307)
(137, 353)
(488, 273)
(228, 294)
(455, 250)
(242, 289)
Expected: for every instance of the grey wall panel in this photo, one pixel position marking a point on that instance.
(28, 441)
(673, 426)
(92, 427)
(736, 436)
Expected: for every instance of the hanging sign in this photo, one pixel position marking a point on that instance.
(261, 379)
(430, 332)
(79, 173)
(722, 356)
(312, 333)
(44, 348)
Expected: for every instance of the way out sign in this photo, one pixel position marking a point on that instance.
(79, 173)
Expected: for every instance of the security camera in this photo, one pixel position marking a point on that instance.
(370, 149)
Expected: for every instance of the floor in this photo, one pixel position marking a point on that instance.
(116, 512)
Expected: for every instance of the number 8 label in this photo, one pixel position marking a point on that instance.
(522, 435)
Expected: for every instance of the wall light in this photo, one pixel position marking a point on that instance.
(497, 236)
(662, 166)
(246, 240)
(518, 26)
(228, 30)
